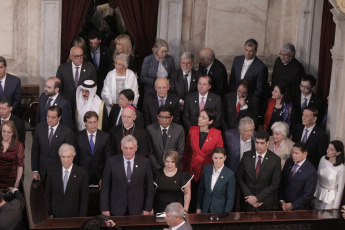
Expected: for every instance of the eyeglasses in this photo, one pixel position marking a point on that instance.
(119, 64)
(78, 56)
(163, 117)
(6, 132)
(284, 55)
(304, 87)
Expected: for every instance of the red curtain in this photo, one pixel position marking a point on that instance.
(73, 18)
(326, 43)
(140, 17)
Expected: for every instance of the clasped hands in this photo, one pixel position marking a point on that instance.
(253, 201)
(286, 206)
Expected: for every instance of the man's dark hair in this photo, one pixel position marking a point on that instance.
(252, 42)
(4, 100)
(245, 83)
(302, 146)
(3, 60)
(165, 108)
(55, 108)
(313, 110)
(310, 78)
(94, 34)
(128, 93)
(209, 79)
(91, 224)
(262, 134)
(219, 150)
(90, 114)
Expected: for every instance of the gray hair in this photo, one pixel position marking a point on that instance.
(245, 121)
(288, 47)
(187, 55)
(175, 209)
(123, 57)
(159, 43)
(66, 147)
(129, 138)
(281, 127)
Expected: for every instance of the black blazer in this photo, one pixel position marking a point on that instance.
(66, 116)
(229, 105)
(257, 74)
(317, 142)
(177, 85)
(219, 77)
(151, 106)
(191, 109)
(117, 194)
(92, 163)
(298, 190)
(266, 185)
(42, 155)
(114, 113)
(20, 126)
(75, 200)
(13, 90)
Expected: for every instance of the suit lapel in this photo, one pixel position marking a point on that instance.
(86, 138)
(72, 178)
(312, 135)
(251, 68)
(238, 70)
(237, 147)
(122, 168)
(220, 180)
(168, 101)
(56, 136)
(193, 81)
(208, 178)
(208, 102)
(169, 134)
(265, 162)
(195, 99)
(135, 170)
(159, 136)
(252, 165)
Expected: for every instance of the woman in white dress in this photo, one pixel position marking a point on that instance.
(329, 189)
(118, 79)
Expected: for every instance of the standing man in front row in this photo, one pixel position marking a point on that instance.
(67, 188)
(258, 175)
(127, 186)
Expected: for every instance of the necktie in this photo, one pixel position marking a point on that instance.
(186, 83)
(50, 138)
(76, 77)
(205, 71)
(92, 145)
(162, 102)
(164, 136)
(294, 170)
(305, 137)
(202, 104)
(95, 61)
(304, 104)
(48, 104)
(258, 166)
(1, 89)
(65, 180)
(129, 171)
(238, 107)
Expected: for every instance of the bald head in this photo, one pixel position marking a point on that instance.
(206, 57)
(76, 55)
(162, 86)
(128, 116)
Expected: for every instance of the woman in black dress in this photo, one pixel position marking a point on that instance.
(172, 184)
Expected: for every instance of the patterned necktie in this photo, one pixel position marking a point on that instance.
(258, 166)
(238, 107)
(161, 102)
(202, 104)
(95, 61)
(129, 171)
(304, 104)
(50, 138)
(186, 83)
(164, 136)
(305, 137)
(65, 180)
(294, 170)
(76, 76)
(92, 144)
(1, 89)
(48, 104)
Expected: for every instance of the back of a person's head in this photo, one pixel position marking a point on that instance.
(91, 224)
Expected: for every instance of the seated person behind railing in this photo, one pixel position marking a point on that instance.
(11, 212)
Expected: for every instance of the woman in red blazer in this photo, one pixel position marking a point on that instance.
(201, 141)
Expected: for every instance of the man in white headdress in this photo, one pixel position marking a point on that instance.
(88, 100)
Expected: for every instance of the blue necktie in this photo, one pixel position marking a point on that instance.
(129, 171)
(95, 61)
(92, 145)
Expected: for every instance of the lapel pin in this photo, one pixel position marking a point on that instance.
(84, 70)
(170, 103)
(253, 156)
(175, 181)
(56, 136)
(75, 176)
(195, 101)
(314, 132)
(169, 136)
(209, 99)
(210, 72)
(136, 166)
(193, 79)
(266, 158)
(221, 177)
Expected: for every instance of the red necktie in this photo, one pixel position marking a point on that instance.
(258, 166)
(238, 107)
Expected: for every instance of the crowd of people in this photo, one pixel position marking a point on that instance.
(209, 144)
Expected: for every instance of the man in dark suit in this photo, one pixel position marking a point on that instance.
(240, 104)
(298, 180)
(48, 138)
(314, 137)
(127, 185)
(184, 80)
(101, 57)
(162, 97)
(237, 141)
(74, 73)
(165, 135)
(6, 114)
(305, 98)
(258, 175)
(11, 212)
(209, 65)
(197, 101)
(67, 187)
(250, 67)
(175, 217)
(126, 98)
(51, 96)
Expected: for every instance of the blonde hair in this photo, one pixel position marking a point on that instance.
(124, 41)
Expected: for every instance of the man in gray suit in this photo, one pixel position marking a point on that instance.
(165, 135)
(175, 217)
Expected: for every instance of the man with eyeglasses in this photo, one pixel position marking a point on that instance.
(165, 135)
(287, 69)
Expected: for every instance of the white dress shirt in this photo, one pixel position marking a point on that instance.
(215, 176)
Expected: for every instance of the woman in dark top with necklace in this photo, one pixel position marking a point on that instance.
(201, 141)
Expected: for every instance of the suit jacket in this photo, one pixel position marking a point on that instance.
(266, 185)
(175, 140)
(232, 143)
(317, 142)
(65, 74)
(94, 162)
(20, 126)
(192, 110)
(13, 90)
(229, 106)
(11, 213)
(185, 226)
(219, 77)
(257, 74)
(114, 113)
(177, 85)
(299, 189)
(42, 155)
(151, 106)
(66, 116)
(75, 200)
(117, 194)
(222, 197)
